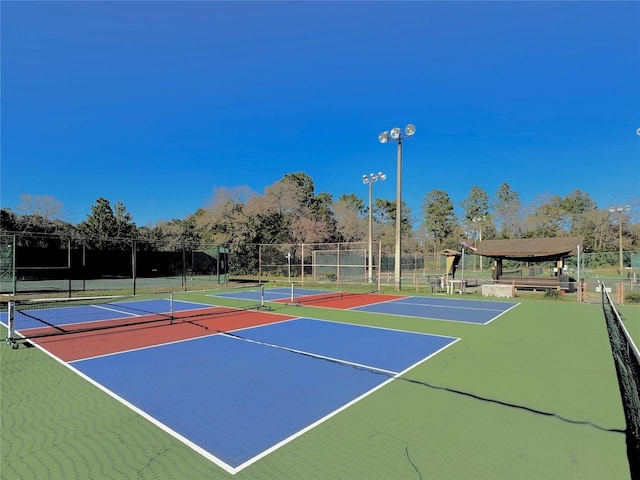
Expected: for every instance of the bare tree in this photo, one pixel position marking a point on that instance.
(43, 206)
(350, 214)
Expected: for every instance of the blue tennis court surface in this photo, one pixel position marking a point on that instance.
(441, 308)
(438, 308)
(234, 400)
(270, 294)
(90, 313)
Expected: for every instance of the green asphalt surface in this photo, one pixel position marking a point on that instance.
(532, 395)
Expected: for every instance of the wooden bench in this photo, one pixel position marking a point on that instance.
(531, 283)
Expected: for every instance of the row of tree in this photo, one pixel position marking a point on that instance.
(290, 211)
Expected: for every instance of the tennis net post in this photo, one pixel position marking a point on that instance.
(171, 309)
(11, 324)
(292, 296)
(329, 291)
(262, 305)
(46, 317)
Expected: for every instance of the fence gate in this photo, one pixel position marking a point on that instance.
(8, 263)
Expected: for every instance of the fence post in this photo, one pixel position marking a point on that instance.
(134, 264)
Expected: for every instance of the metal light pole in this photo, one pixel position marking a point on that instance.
(395, 135)
(479, 221)
(626, 208)
(370, 179)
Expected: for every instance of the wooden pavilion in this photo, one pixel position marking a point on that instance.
(531, 251)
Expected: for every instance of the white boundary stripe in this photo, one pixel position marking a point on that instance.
(143, 414)
(212, 458)
(376, 327)
(358, 309)
(452, 307)
(301, 432)
(500, 314)
(118, 311)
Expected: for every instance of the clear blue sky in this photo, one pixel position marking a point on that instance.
(155, 104)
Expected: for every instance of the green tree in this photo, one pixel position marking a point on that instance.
(475, 205)
(104, 224)
(575, 205)
(173, 234)
(47, 231)
(439, 217)
(302, 186)
(321, 208)
(506, 210)
(556, 215)
(293, 212)
(125, 227)
(384, 214)
(9, 221)
(476, 210)
(597, 230)
(546, 219)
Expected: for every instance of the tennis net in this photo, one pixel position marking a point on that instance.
(320, 292)
(40, 318)
(627, 361)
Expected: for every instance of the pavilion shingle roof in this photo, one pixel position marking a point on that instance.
(531, 249)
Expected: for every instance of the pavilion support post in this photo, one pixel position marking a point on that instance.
(497, 268)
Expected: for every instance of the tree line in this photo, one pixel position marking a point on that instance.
(290, 211)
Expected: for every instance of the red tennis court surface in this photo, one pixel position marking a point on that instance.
(103, 342)
(346, 302)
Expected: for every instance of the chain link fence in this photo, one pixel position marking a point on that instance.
(48, 264)
(55, 264)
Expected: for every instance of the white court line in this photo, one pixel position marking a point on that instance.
(117, 311)
(450, 306)
(212, 457)
(301, 432)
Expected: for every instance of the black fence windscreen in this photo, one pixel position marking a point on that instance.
(58, 264)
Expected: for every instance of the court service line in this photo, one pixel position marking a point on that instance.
(116, 310)
(450, 306)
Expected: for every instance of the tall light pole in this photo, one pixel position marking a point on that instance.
(479, 221)
(626, 208)
(395, 135)
(370, 179)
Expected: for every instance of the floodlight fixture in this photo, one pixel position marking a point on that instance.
(370, 180)
(373, 177)
(395, 135)
(620, 209)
